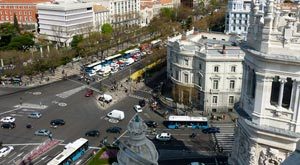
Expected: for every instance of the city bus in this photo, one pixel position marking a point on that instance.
(112, 58)
(71, 153)
(132, 52)
(175, 122)
(92, 68)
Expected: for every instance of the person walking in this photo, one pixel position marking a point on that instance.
(50, 136)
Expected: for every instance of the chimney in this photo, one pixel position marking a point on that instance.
(224, 49)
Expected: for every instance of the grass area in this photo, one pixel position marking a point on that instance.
(97, 161)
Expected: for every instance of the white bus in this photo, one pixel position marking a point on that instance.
(175, 122)
(71, 153)
(155, 43)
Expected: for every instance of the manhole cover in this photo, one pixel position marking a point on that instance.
(36, 93)
(113, 121)
(62, 104)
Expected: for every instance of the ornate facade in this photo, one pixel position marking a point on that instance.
(269, 109)
(205, 70)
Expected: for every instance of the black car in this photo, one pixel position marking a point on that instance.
(151, 123)
(57, 122)
(114, 130)
(211, 130)
(142, 103)
(8, 125)
(92, 133)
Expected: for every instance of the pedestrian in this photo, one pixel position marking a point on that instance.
(50, 136)
(21, 101)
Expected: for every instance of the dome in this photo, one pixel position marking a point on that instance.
(137, 149)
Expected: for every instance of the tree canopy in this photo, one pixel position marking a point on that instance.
(106, 28)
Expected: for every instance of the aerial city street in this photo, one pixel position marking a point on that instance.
(139, 82)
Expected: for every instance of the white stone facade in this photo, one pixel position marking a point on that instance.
(61, 20)
(269, 109)
(208, 68)
(237, 18)
(100, 16)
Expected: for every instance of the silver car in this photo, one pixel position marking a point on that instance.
(35, 115)
(42, 132)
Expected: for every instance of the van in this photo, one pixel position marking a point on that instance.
(116, 114)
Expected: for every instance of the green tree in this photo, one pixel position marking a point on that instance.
(167, 13)
(21, 42)
(7, 32)
(106, 28)
(16, 24)
(76, 40)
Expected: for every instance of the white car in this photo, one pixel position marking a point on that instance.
(4, 151)
(138, 108)
(8, 119)
(163, 137)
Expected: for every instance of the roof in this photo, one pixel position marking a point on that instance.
(64, 6)
(165, 2)
(23, 1)
(99, 8)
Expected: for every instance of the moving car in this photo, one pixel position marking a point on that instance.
(142, 103)
(211, 130)
(8, 125)
(114, 130)
(35, 115)
(163, 136)
(151, 123)
(4, 151)
(137, 108)
(8, 119)
(42, 132)
(116, 114)
(92, 133)
(89, 93)
(57, 122)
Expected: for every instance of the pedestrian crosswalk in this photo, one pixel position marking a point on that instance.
(225, 139)
(70, 92)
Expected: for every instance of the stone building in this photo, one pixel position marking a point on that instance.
(205, 70)
(269, 108)
(137, 149)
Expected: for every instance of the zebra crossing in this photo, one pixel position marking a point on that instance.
(70, 92)
(225, 138)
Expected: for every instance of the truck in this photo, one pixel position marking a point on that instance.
(116, 114)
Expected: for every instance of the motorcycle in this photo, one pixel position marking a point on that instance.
(29, 126)
(193, 135)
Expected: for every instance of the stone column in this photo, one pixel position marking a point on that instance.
(282, 81)
(296, 104)
(293, 95)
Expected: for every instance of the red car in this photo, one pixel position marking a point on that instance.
(89, 93)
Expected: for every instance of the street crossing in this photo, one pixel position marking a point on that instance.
(70, 92)
(225, 138)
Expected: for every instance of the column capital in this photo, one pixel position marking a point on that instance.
(282, 81)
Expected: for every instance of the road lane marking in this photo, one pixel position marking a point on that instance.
(9, 111)
(78, 162)
(23, 147)
(2, 162)
(12, 160)
(26, 110)
(30, 144)
(12, 155)
(47, 160)
(20, 154)
(44, 157)
(13, 114)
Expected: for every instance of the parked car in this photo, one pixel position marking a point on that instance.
(42, 132)
(105, 98)
(92, 133)
(163, 137)
(137, 108)
(8, 125)
(8, 119)
(211, 130)
(57, 122)
(4, 151)
(151, 123)
(142, 103)
(114, 130)
(89, 93)
(116, 114)
(35, 115)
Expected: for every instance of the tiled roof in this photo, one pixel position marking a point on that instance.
(99, 8)
(23, 1)
(165, 2)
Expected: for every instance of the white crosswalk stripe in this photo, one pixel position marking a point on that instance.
(138, 97)
(70, 92)
(225, 138)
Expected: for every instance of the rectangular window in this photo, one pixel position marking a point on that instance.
(232, 69)
(186, 62)
(216, 69)
(186, 78)
(215, 84)
(25, 13)
(232, 83)
(231, 99)
(215, 100)
(177, 75)
(199, 80)
(200, 66)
